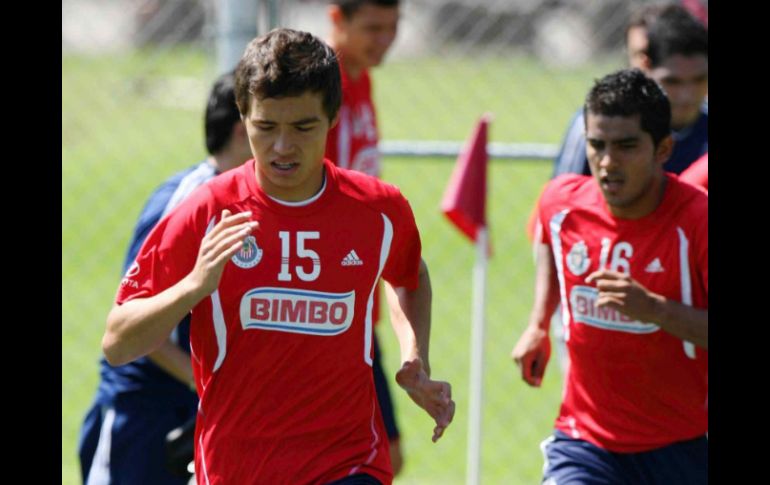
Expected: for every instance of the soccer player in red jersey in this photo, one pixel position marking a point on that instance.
(362, 31)
(277, 262)
(626, 252)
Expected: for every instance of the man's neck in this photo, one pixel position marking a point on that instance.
(647, 205)
(352, 70)
(223, 161)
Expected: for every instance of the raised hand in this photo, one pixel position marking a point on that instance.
(218, 246)
(626, 295)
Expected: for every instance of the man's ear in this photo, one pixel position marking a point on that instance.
(664, 149)
(336, 119)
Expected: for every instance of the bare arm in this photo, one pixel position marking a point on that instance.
(628, 296)
(533, 349)
(410, 318)
(174, 361)
(140, 326)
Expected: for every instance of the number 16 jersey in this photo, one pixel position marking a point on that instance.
(631, 386)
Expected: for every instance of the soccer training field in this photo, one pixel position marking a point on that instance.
(128, 122)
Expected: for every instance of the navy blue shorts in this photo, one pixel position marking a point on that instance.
(357, 479)
(383, 393)
(123, 441)
(573, 461)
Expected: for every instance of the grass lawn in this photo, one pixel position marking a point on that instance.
(128, 122)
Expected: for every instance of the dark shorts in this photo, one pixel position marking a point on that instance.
(573, 461)
(357, 479)
(383, 393)
(122, 441)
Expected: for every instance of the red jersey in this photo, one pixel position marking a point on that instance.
(631, 386)
(698, 173)
(281, 351)
(352, 143)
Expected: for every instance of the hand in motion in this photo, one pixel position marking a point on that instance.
(531, 354)
(218, 246)
(435, 397)
(626, 295)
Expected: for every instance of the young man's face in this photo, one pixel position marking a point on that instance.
(685, 81)
(367, 35)
(288, 139)
(625, 163)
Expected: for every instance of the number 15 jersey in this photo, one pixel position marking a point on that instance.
(281, 351)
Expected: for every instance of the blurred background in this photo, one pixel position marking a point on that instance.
(135, 78)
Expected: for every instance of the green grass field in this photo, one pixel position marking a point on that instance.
(123, 132)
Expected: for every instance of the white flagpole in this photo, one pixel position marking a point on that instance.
(473, 468)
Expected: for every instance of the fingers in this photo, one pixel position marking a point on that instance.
(445, 411)
(538, 369)
(612, 285)
(612, 300)
(525, 365)
(228, 219)
(227, 226)
(231, 250)
(604, 275)
(532, 367)
(435, 397)
(228, 243)
(438, 431)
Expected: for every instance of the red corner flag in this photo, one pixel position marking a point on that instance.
(465, 197)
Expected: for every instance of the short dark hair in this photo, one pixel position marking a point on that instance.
(350, 7)
(676, 31)
(286, 62)
(221, 113)
(628, 93)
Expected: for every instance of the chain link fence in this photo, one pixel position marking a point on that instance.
(135, 77)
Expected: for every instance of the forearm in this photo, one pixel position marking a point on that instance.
(140, 326)
(410, 318)
(683, 321)
(174, 361)
(546, 289)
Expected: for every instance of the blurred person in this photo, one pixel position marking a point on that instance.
(362, 31)
(625, 252)
(123, 436)
(277, 262)
(676, 57)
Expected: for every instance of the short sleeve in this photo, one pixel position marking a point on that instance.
(403, 264)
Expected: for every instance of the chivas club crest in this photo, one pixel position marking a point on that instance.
(249, 255)
(577, 259)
